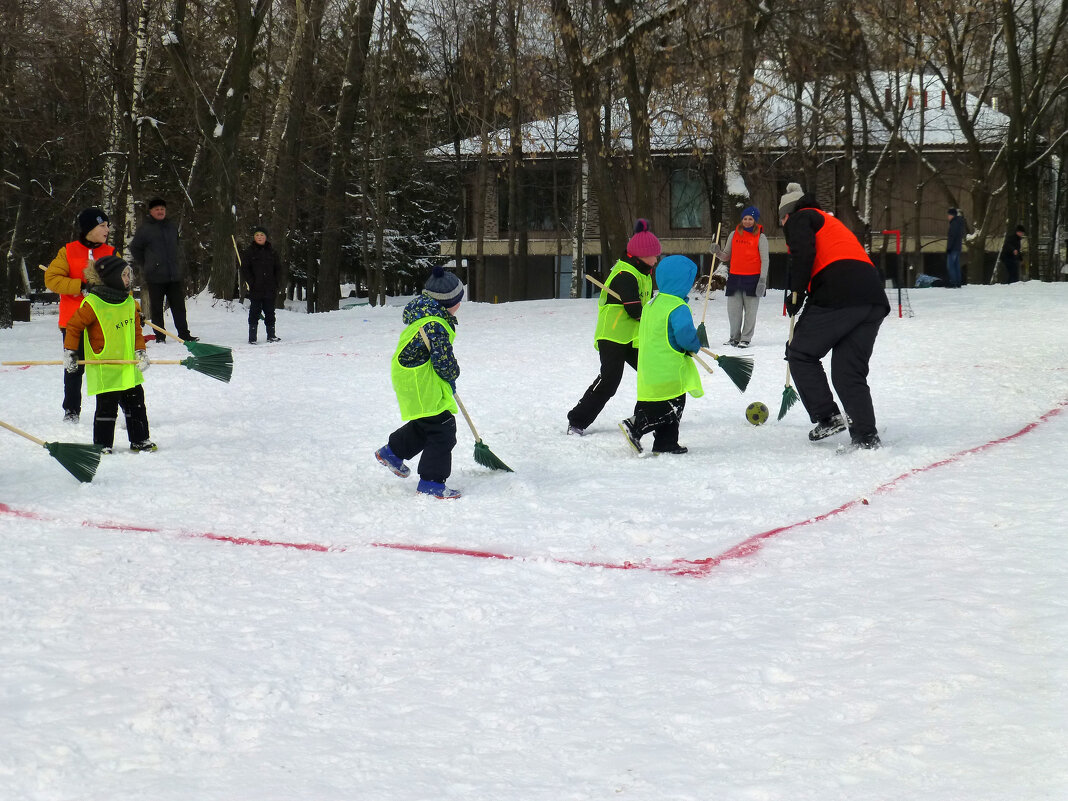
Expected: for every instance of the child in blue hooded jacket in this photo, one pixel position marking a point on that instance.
(667, 340)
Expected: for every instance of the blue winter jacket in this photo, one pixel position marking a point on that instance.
(675, 276)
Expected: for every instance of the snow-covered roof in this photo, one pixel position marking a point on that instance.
(680, 119)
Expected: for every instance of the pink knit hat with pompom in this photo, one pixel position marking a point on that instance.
(644, 243)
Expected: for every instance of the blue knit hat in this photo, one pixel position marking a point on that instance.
(444, 287)
(751, 211)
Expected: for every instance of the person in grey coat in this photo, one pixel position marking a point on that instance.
(155, 252)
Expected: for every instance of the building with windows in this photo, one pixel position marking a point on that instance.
(896, 169)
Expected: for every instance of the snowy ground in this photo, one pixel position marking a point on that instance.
(793, 624)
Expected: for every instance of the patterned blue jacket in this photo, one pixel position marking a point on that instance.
(441, 354)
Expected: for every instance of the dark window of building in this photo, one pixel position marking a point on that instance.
(539, 190)
(687, 199)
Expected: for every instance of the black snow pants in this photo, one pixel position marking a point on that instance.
(848, 334)
(435, 437)
(614, 357)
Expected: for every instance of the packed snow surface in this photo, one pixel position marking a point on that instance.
(762, 618)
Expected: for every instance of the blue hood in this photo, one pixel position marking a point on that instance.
(675, 275)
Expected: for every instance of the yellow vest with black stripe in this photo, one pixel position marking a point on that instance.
(421, 392)
(663, 372)
(613, 322)
(118, 321)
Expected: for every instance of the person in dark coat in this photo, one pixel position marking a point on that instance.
(262, 275)
(846, 304)
(1010, 254)
(954, 243)
(154, 250)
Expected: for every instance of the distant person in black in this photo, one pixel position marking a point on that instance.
(155, 251)
(262, 274)
(1010, 254)
(954, 242)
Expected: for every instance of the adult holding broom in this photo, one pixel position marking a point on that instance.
(845, 306)
(627, 289)
(154, 249)
(109, 320)
(66, 277)
(744, 272)
(424, 372)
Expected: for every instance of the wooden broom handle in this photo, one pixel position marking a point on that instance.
(460, 403)
(599, 285)
(712, 269)
(164, 331)
(793, 318)
(22, 433)
(95, 361)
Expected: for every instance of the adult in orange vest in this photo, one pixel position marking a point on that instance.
(744, 268)
(66, 277)
(846, 304)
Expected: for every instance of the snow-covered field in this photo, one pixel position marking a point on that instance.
(793, 624)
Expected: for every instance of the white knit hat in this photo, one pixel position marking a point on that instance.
(789, 201)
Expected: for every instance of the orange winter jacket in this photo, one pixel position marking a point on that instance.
(65, 274)
(84, 320)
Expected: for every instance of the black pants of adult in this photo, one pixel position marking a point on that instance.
(614, 357)
(72, 382)
(132, 402)
(256, 307)
(662, 418)
(848, 334)
(174, 292)
(1012, 270)
(434, 437)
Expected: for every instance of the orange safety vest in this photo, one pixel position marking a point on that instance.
(745, 251)
(77, 261)
(835, 242)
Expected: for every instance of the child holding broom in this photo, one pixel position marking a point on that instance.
(424, 373)
(667, 340)
(109, 319)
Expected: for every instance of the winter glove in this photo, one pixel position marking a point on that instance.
(717, 282)
(142, 360)
(70, 361)
(794, 302)
(761, 289)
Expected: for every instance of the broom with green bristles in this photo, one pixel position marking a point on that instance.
(194, 348)
(79, 459)
(218, 366)
(789, 394)
(702, 335)
(738, 369)
(483, 455)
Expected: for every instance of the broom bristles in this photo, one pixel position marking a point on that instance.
(79, 459)
(218, 366)
(738, 369)
(207, 350)
(484, 456)
(789, 398)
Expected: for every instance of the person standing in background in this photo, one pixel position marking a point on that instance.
(154, 250)
(954, 243)
(66, 277)
(1010, 254)
(744, 268)
(262, 274)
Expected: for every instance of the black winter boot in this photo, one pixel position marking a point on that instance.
(252, 334)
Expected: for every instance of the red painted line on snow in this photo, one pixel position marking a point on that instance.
(677, 567)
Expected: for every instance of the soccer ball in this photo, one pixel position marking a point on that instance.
(756, 413)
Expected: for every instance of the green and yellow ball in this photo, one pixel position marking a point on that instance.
(756, 413)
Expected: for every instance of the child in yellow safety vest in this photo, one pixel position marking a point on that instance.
(667, 340)
(424, 372)
(109, 320)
